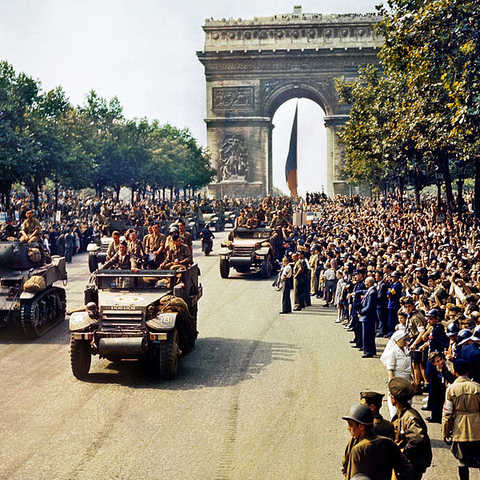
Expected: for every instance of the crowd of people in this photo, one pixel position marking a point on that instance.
(403, 272)
(389, 268)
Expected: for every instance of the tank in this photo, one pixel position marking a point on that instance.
(28, 298)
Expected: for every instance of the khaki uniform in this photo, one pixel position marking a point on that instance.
(187, 239)
(128, 262)
(461, 413)
(375, 457)
(113, 249)
(178, 257)
(29, 226)
(412, 437)
(153, 242)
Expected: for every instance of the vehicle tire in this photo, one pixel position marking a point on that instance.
(224, 268)
(267, 267)
(168, 356)
(92, 263)
(80, 357)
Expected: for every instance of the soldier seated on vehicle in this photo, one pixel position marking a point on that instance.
(252, 222)
(178, 255)
(122, 260)
(30, 231)
(114, 245)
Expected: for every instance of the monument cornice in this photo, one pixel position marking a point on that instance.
(292, 61)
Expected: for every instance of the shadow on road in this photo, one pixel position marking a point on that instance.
(14, 335)
(215, 362)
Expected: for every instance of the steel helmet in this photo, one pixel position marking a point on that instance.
(463, 336)
(360, 414)
(419, 291)
(433, 313)
(476, 334)
(452, 330)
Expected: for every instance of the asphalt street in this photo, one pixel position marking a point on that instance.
(260, 397)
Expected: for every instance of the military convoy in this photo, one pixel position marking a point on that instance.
(28, 298)
(149, 314)
(249, 251)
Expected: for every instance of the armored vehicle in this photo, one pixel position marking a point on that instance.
(249, 251)
(151, 314)
(97, 252)
(28, 298)
(216, 218)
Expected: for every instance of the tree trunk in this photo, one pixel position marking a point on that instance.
(448, 183)
(418, 189)
(476, 198)
(35, 196)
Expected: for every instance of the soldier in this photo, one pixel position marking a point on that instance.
(135, 246)
(114, 245)
(300, 281)
(154, 246)
(122, 260)
(179, 256)
(184, 235)
(370, 454)
(410, 429)
(381, 426)
(30, 229)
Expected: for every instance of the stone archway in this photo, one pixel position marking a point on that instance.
(254, 66)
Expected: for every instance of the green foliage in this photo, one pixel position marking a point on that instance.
(44, 138)
(422, 113)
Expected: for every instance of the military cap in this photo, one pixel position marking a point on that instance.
(372, 397)
(400, 388)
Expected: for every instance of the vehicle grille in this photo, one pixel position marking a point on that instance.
(121, 318)
(242, 251)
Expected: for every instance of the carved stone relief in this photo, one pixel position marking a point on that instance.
(233, 98)
(233, 163)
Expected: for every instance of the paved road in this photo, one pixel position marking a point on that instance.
(260, 397)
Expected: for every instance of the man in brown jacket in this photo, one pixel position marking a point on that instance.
(461, 419)
(410, 429)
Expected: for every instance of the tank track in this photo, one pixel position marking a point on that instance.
(43, 312)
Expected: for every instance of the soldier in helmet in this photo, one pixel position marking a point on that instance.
(369, 454)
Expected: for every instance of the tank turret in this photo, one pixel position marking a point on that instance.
(28, 298)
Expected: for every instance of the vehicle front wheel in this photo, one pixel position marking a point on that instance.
(224, 268)
(267, 267)
(80, 357)
(169, 355)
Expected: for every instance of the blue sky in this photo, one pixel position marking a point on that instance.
(143, 52)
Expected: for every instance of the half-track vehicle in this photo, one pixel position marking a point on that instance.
(149, 314)
(28, 298)
(97, 252)
(249, 251)
(216, 218)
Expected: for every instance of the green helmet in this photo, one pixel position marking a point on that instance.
(360, 414)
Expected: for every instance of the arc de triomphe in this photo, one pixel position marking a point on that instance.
(254, 66)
